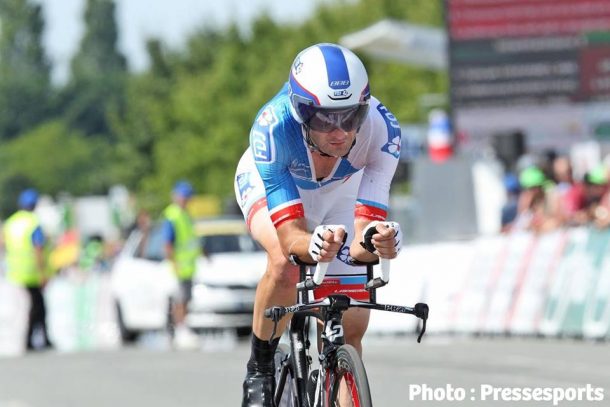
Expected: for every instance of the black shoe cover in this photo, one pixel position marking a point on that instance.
(258, 390)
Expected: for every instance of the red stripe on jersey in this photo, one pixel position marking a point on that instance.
(290, 212)
(370, 212)
(256, 206)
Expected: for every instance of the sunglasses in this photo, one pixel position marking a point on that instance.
(327, 120)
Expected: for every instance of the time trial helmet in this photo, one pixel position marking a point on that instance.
(329, 88)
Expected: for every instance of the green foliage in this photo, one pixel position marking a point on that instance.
(95, 91)
(25, 92)
(53, 159)
(189, 115)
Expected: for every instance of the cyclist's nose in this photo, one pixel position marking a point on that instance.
(338, 132)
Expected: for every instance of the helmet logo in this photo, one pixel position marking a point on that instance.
(340, 95)
(298, 66)
(339, 84)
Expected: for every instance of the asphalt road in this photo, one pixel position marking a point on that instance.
(153, 376)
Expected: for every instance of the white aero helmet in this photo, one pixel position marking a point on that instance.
(329, 88)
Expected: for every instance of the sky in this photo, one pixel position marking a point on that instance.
(170, 20)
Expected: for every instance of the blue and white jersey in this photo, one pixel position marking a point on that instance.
(283, 160)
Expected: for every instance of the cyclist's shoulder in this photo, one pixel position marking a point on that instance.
(275, 127)
(275, 113)
(380, 125)
(379, 112)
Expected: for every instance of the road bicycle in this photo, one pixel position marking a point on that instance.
(340, 365)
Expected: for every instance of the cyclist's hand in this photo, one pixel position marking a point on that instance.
(383, 239)
(326, 241)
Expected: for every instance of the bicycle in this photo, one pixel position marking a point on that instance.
(339, 362)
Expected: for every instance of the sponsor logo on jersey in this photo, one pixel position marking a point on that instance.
(344, 256)
(392, 147)
(261, 146)
(267, 117)
(300, 169)
(262, 141)
(245, 187)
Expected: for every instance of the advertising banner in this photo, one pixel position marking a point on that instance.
(514, 61)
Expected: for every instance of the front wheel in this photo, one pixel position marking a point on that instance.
(349, 384)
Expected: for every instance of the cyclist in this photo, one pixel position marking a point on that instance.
(322, 152)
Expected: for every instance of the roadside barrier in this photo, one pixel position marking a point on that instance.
(556, 285)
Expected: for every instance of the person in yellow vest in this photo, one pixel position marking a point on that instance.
(25, 262)
(182, 249)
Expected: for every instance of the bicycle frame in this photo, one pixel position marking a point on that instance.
(331, 311)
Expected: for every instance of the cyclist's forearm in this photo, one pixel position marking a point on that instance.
(360, 253)
(294, 239)
(356, 250)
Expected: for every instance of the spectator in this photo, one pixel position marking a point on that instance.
(26, 264)
(533, 212)
(93, 256)
(596, 209)
(567, 196)
(510, 208)
(142, 224)
(182, 249)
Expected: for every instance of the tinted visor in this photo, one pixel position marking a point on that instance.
(327, 120)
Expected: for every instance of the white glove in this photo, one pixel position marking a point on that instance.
(367, 234)
(315, 244)
(371, 229)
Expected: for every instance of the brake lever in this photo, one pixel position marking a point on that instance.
(421, 311)
(275, 314)
(423, 330)
(273, 332)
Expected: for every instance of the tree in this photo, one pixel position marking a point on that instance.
(54, 159)
(25, 90)
(98, 70)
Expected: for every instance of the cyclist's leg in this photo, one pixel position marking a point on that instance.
(355, 323)
(277, 286)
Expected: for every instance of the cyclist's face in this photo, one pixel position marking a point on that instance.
(336, 142)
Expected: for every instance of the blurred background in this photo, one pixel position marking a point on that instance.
(502, 186)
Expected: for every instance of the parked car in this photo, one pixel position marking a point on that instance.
(223, 287)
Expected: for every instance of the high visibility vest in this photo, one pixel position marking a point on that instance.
(21, 261)
(186, 245)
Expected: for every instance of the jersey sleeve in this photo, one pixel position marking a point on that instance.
(38, 239)
(380, 166)
(168, 232)
(269, 144)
